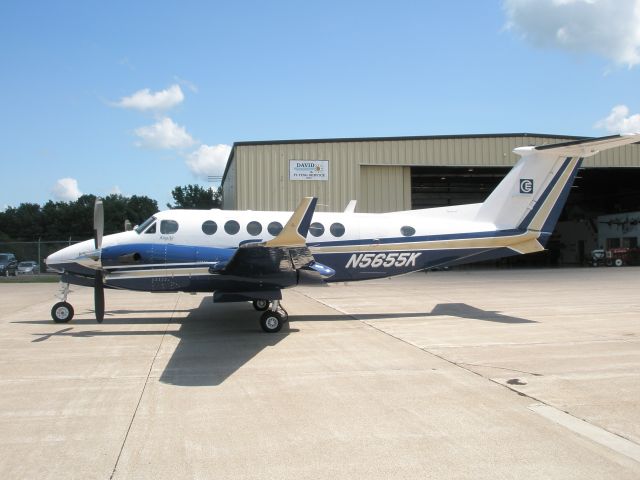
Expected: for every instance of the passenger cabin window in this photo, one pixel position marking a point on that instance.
(254, 228)
(408, 231)
(274, 228)
(232, 227)
(337, 229)
(209, 227)
(140, 228)
(167, 227)
(316, 229)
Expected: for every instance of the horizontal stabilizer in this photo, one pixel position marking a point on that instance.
(588, 147)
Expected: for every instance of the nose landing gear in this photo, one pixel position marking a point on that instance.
(62, 312)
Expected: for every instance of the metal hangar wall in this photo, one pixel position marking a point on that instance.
(400, 173)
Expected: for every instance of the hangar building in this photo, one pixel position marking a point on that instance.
(402, 173)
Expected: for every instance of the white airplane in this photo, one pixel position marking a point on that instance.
(252, 255)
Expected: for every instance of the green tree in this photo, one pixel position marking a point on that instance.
(62, 220)
(196, 197)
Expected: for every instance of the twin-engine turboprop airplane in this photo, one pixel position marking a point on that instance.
(252, 256)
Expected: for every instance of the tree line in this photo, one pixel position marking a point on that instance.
(65, 220)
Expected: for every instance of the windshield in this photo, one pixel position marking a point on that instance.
(25, 264)
(4, 256)
(145, 224)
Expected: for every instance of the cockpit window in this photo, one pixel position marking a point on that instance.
(151, 229)
(167, 227)
(140, 228)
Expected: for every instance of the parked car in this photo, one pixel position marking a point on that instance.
(28, 267)
(8, 264)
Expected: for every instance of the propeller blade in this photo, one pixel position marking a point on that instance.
(98, 223)
(98, 295)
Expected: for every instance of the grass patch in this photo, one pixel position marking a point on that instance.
(42, 278)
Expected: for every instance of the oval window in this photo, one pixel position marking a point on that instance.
(209, 227)
(316, 229)
(408, 231)
(337, 229)
(232, 227)
(254, 228)
(274, 228)
(167, 227)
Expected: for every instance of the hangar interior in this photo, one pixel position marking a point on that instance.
(402, 173)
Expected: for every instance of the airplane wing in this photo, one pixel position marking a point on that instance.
(263, 268)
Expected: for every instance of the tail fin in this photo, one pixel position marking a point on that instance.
(534, 192)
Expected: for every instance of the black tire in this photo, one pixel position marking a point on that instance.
(271, 322)
(261, 305)
(62, 312)
(618, 262)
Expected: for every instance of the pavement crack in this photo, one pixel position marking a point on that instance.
(144, 387)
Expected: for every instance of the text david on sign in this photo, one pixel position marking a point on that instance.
(308, 169)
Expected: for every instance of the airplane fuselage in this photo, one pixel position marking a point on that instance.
(179, 249)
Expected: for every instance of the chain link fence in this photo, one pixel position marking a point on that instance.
(37, 250)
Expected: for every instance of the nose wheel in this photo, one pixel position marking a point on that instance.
(62, 312)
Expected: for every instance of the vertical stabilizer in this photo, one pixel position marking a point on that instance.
(532, 195)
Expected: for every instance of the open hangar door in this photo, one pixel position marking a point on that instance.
(596, 191)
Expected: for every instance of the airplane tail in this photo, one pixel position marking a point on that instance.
(531, 197)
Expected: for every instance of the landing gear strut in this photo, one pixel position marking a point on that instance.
(272, 320)
(62, 312)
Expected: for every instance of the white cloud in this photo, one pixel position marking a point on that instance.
(186, 83)
(610, 28)
(147, 100)
(66, 189)
(208, 160)
(115, 190)
(165, 133)
(619, 121)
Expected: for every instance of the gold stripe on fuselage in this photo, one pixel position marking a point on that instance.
(523, 240)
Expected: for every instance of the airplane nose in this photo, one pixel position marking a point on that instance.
(70, 258)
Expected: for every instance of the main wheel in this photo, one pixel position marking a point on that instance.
(261, 305)
(618, 262)
(62, 312)
(271, 322)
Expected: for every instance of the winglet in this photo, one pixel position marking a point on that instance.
(295, 231)
(351, 207)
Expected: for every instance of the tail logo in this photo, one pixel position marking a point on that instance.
(526, 185)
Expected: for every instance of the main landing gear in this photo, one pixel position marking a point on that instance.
(62, 312)
(272, 319)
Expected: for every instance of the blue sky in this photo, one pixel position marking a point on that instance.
(138, 97)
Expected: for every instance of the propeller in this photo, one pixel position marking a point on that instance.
(98, 285)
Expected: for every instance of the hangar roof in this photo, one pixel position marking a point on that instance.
(387, 139)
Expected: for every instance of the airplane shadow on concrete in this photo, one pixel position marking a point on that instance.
(460, 310)
(218, 340)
